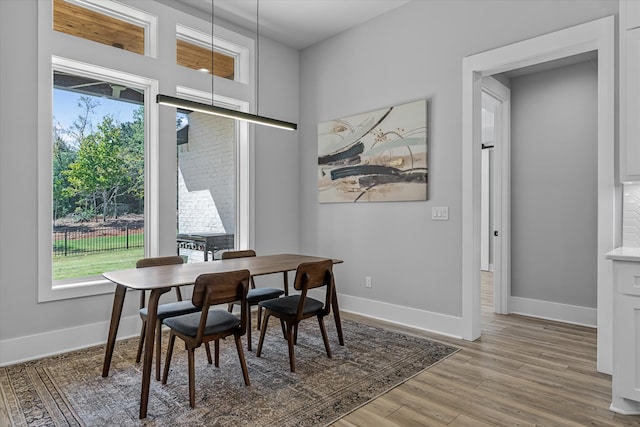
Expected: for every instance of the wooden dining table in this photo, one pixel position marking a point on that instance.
(159, 280)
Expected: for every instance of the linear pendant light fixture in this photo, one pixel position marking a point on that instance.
(223, 112)
(215, 110)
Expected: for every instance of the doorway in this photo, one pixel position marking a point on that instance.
(597, 36)
(495, 189)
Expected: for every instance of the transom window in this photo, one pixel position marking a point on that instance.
(119, 27)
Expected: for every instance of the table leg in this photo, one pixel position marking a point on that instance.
(152, 316)
(286, 283)
(336, 313)
(116, 312)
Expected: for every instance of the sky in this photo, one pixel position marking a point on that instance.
(66, 110)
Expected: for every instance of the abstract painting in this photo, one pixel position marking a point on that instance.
(374, 157)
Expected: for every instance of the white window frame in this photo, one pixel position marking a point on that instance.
(128, 14)
(53, 290)
(56, 49)
(243, 168)
(239, 53)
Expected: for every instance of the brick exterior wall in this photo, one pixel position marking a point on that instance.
(206, 176)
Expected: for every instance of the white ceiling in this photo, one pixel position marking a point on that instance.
(296, 23)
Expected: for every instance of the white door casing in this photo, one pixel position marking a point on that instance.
(501, 193)
(599, 36)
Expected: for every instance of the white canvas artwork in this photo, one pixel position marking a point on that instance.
(374, 157)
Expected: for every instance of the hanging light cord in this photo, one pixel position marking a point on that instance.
(257, 57)
(213, 74)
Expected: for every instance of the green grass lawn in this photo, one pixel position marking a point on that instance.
(92, 264)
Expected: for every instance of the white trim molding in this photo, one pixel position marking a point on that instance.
(599, 36)
(22, 349)
(583, 316)
(441, 324)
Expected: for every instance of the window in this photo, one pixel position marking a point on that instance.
(194, 50)
(199, 58)
(98, 176)
(206, 183)
(113, 25)
(137, 134)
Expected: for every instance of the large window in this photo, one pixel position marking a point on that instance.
(106, 183)
(98, 176)
(206, 184)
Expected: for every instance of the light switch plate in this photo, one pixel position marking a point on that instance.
(440, 213)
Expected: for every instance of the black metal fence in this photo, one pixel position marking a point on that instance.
(84, 240)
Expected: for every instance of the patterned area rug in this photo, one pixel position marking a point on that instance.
(68, 390)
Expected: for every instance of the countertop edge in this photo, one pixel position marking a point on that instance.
(624, 253)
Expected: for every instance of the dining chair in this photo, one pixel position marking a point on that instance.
(255, 295)
(293, 309)
(164, 310)
(211, 324)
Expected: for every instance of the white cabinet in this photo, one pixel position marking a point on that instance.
(629, 91)
(632, 13)
(630, 110)
(627, 347)
(625, 396)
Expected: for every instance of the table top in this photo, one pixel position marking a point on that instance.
(186, 274)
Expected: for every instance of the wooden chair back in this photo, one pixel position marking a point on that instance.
(156, 262)
(238, 254)
(220, 288)
(311, 275)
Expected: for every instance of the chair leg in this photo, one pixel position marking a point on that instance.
(265, 322)
(158, 348)
(295, 334)
(208, 349)
(216, 349)
(259, 317)
(192, 378)
(284, 330)
(292, 361)
(249, 327)
(243, 364)
(141, 342)
(167, 360)
(323, 330)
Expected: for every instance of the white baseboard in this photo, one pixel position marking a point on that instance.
(420, 319)
(566, 313)
(22, 349)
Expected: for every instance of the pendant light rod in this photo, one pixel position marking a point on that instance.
(223, 112)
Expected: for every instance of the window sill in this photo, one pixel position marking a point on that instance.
(68, 290)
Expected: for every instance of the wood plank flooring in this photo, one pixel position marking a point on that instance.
(521, 372)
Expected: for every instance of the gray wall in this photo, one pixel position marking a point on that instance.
(276, 178)
(554, 171)
(413, 52)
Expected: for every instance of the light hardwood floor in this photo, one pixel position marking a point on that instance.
(521, 372)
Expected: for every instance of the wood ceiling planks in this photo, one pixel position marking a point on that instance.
(81, 22)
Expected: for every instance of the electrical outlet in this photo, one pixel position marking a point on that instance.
(367, 282)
